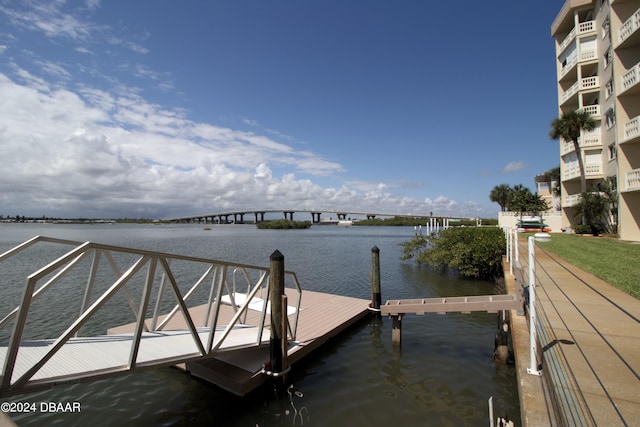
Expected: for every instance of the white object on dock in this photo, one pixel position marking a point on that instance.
(256, 304)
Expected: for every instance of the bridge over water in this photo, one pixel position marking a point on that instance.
(237, 216)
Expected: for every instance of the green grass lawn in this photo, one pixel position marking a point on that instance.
(615, 262)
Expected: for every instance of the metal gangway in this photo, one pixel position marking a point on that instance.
(55, 331)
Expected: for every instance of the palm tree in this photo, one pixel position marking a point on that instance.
(515, 194)
(568, 127)
(553, 177)
(500, 194)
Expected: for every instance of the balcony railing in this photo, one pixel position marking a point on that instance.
(629, 27)
(569, 64)
(631, 77)
(588, 139)
(583, 84)
(569, 93)
(567, 40)
(584, 55)
(583, 28)
(569, 201)
(589, 82)
(594, 110)
(631, 129)
(588, 54)
(632, 180)
(590, 170)
(567, 148)
(586, 27)
(571, 173)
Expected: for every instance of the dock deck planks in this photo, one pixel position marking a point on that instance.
(488, 303)
(322, 316)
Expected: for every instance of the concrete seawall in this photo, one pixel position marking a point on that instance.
(536, 408)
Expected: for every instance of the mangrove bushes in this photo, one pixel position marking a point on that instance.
(283, 224)
(474, 252)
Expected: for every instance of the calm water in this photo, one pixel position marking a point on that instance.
(443, 374)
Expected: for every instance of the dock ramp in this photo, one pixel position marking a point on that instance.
(64, 323)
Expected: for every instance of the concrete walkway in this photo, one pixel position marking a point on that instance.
(589, 334)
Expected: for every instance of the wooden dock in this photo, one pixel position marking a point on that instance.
(467, 304)
(396, 309)
(322, 316)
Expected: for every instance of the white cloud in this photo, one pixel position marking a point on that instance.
(58, 20)
(80, 139)
(63, 149)
(48, 18)
(514, 166)
(93, 153)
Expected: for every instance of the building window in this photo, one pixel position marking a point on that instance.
(612, 151)
(610, 118)
(608, 88)
(607, 58)
(605, 27)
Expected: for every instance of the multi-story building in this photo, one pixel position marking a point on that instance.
(598, 70)
(545, 187)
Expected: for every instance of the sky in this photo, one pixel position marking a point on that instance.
(159, 109)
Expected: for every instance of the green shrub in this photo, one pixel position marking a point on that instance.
(283, 224)
(582, 229)
(471, 252)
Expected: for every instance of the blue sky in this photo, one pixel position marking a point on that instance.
(155, 109)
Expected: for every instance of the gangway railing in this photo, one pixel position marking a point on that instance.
(45, 342)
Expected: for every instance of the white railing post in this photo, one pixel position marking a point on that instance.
(491, 411)
(510, 249)
(533, 343)
(515, 245)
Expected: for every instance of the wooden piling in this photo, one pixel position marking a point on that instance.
(396, 330)
(276, 282)
(376, 295)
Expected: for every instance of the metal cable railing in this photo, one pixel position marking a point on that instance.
(547, 355)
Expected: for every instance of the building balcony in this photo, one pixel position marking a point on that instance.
(591, 171)
(586, 83)
(632, 180)
(587, 139)
(631, 131)
(628, 34)
(594, 110)
(582, 28)
(588, 55)
(568, 65)
(567, 148)
(630, 81)
(570, 201)
(583, 56)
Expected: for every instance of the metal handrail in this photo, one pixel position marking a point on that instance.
(57, 270)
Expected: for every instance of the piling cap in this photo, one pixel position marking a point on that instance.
(276, 255)
(375, 249)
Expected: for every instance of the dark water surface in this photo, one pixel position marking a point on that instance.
(443, 374)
